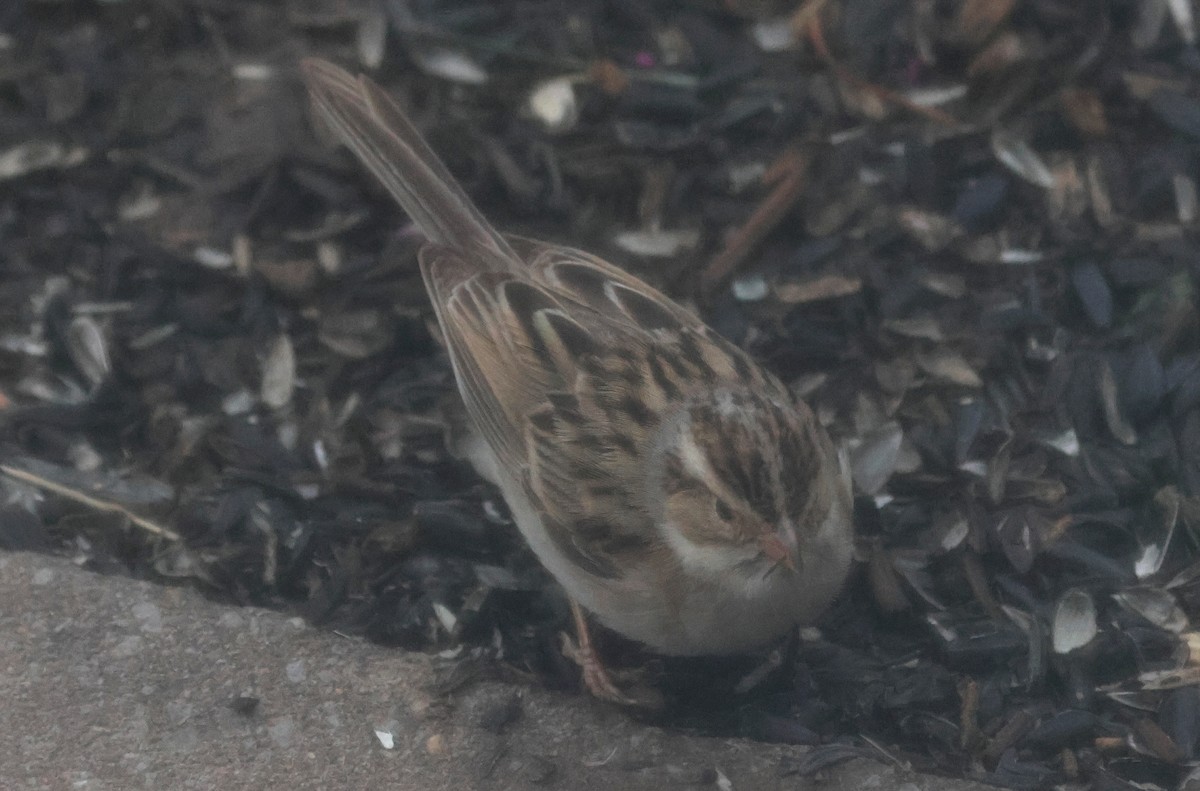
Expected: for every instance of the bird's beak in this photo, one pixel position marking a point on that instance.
(777, 551)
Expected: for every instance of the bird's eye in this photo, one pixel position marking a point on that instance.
(723, 510)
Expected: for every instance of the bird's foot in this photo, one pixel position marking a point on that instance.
(595, 675)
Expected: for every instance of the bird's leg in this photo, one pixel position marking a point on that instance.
(583, 653)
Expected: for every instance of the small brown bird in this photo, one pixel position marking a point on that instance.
(675, 489)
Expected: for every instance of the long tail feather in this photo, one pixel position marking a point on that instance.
(374, 127)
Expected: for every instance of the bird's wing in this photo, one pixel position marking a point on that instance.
(567, 368)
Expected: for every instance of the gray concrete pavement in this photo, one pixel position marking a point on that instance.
(108, 683)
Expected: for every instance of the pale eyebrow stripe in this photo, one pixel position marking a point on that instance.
(696, 462)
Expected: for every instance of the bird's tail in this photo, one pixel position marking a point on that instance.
(374, 127)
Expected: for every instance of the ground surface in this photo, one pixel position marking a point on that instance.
(110, 683)
(966, 233)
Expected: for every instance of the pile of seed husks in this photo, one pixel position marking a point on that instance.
(965, 231)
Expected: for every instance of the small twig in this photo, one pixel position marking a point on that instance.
(159, 166)
(1019, 724)
(788, 174)
(904, 765)
(91, 502)
(805, 14)
(220, 44)
(970, 737)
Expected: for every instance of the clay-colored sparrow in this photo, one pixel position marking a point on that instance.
(674, 488)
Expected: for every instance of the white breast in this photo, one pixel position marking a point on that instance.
(694, 616)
